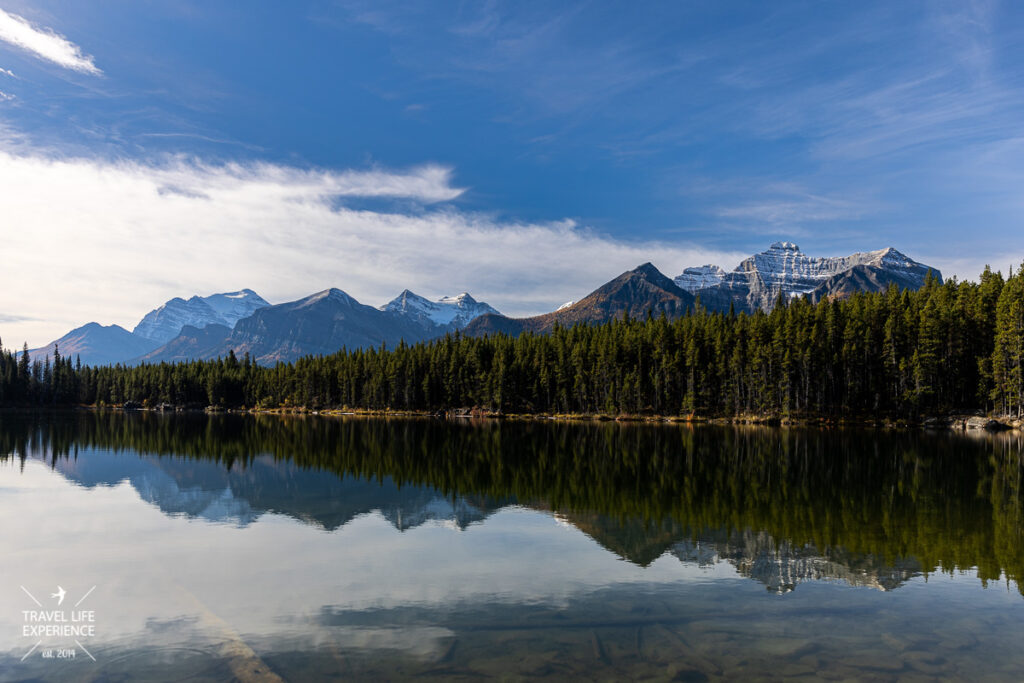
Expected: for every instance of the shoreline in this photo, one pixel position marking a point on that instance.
(953, 421)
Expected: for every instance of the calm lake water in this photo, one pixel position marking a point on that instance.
(261, 548)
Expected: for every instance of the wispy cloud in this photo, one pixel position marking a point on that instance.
(127, 236)
(429, 183)
(44, 43)
(790, 204)
(202, 138)
(8, 318)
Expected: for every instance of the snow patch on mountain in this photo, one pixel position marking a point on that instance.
(699, 277)
(233, 306)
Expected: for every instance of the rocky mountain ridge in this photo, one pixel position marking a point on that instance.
(758, 280)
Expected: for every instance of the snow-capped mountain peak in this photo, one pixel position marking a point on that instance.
(784, 269)
(453, 311)
(166, 322)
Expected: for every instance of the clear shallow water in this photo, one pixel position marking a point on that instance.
(264, 549)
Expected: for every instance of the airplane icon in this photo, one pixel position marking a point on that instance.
(59, 595)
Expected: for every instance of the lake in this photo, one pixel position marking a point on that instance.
(143, 546)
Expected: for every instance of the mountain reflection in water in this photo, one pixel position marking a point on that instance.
(265, 548)
(781, 506)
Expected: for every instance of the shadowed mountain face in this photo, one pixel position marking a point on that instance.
(867, 278)
(190, 343)
(634, 293)
(782, 507)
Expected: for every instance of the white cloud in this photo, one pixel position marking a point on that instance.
(92, 240)
(44, 43)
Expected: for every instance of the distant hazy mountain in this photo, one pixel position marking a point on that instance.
(450, 312)
(635, 292)
(165, 323)
(757, 282)
(95, 344)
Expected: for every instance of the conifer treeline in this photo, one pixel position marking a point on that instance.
(952, 346)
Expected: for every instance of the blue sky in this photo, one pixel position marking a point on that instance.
(524, 151)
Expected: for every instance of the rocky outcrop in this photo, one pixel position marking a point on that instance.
(987, 423)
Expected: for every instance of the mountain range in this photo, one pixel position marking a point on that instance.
(243, 322)
(330, 320)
